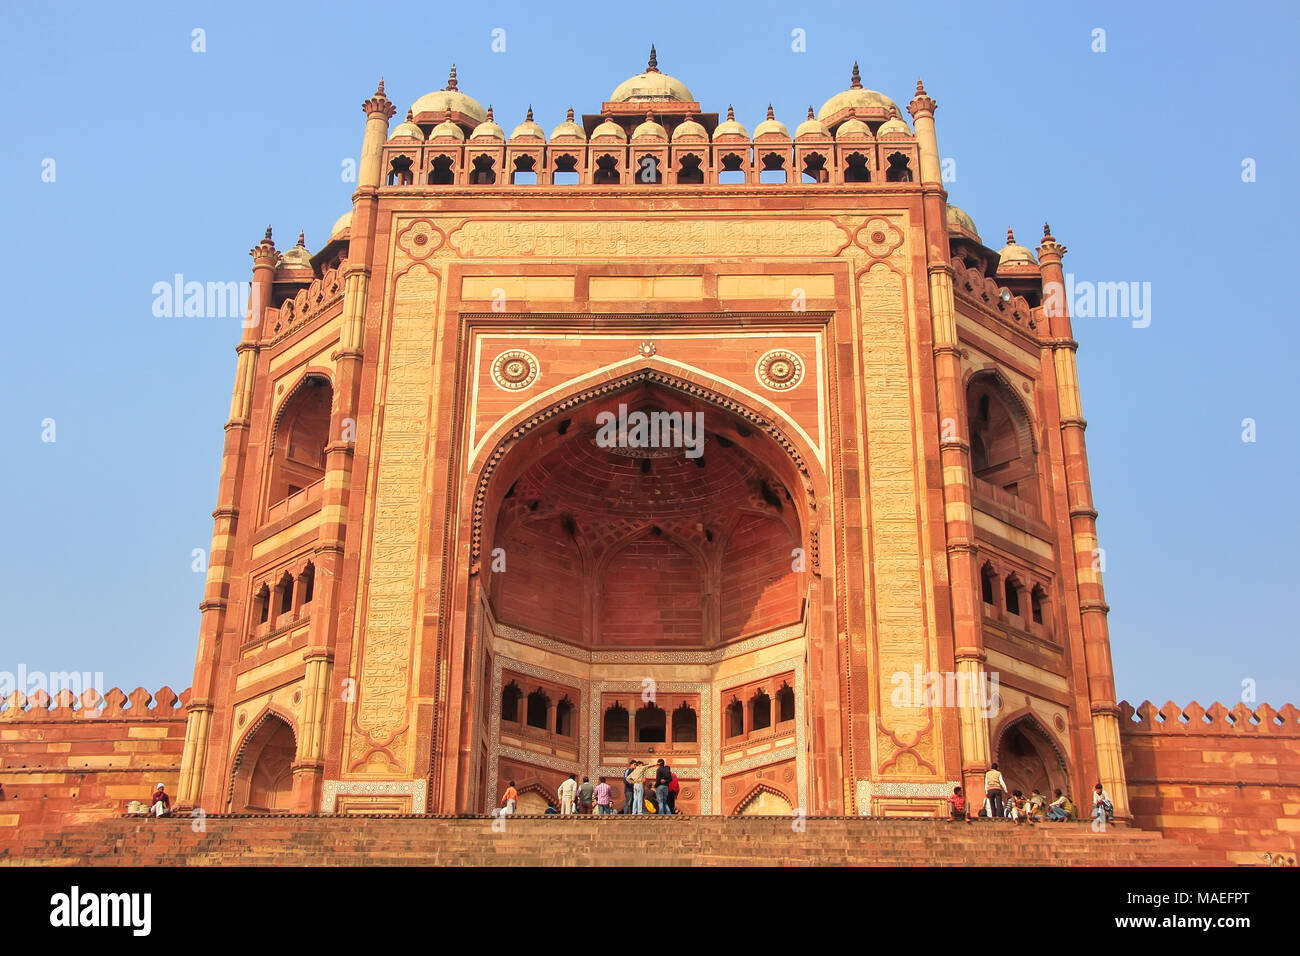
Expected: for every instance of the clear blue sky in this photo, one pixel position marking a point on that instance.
(172, 161)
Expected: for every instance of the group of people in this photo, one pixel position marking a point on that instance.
(598, 798)
(1033, 808)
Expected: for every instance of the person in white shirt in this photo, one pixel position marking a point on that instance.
(994, 788)
(568, 794)
(1102, 808)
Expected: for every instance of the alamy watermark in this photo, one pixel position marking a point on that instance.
(51, 682)
(1085, 299)
(946, 689)
(654, 429)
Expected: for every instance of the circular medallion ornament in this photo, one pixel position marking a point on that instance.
(515, 370)
(779, 370)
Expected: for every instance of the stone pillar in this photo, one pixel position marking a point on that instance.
(1083, 529)
(328, 556)
(216, 592)
(954, 458)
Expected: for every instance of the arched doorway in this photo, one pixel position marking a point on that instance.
(765, 801)
(646, 513)
(263, 780)
(1029, 759)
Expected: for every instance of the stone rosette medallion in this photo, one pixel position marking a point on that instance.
(779, 370)
(515, 370)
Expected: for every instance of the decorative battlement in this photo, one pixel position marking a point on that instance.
(91, 705)
(973, 286)
(295, 313)
(1193, 719)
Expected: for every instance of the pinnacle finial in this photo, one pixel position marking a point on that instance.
(811, 114)
(489, 114)
(268, 234)
(569, 118)
(380, 90)
(855, 82)
(1011, 237)
(731, 114)
(451, 78)
(302, 238)
(653, 66)
(920, 88)
(1047, 231)
(770, 114)
(529, 117)
(410, 116)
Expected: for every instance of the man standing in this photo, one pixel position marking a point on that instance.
(637, 777)
(627, 787)
(994, 787)
(663, 780)
(568, 794)
(509, 800)
(586, 795)
(604, 793)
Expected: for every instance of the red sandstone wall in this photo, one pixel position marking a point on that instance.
(64, 764)
(1226, 780)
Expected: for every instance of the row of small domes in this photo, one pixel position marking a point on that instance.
(650, 129)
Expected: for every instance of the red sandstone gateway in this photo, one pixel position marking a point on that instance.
(431, 574)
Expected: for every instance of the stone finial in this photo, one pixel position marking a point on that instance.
(410, 116)
(379, 103)
(922, 102)
(1050, 247)
(302, 238)
(489, 114)
(770, 114)
(649, 116)
(569, 117)
(731, 113)
(265, 249)
(1047, 231)
(811, 114)
(380, 90)
(267, 238)
(855, 82)
(1011, 237)
(653, 66)
(529, 117)
(451, 78)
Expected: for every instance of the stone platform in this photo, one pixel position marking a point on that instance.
(600, 841)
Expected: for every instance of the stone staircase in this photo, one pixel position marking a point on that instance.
(610, 841)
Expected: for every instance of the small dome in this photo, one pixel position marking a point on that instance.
(812, 126)
(569, 129)
(729, 127)
(608, 129)
(408, 130)
(1013, 254)
(651, 85)
(298, 257)
(771, 126)
(449, 98)
(853, 127)
(488, 129)
(528, 128)
(958, 220)
(689, 129)
(447, 128)
(857, 97)
(342, 225)
(894, 124)
(649, 129)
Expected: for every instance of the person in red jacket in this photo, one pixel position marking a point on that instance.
(673, 788)
(160, 805)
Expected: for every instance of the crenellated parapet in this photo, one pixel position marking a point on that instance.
(1262, 720)
(994, 300)
(165, 704)
(322, 296)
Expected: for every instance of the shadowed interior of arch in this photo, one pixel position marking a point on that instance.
(623, 546)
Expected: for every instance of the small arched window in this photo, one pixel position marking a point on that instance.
(773, 170)
(564, 717)
(735, 718)
(899, 170)
(307, 580)
(814, 169)
(400, 174)
(784, 704)
(1037, 598)
(647, 171)
(1013, 595)
(856, 169)
(524, 172)
(539, 706)
(566, 171)
(615, 724)
(760, 711)
(689, 171)
(988, 584)
(606, 171)
(651, 725)
(684, 725)
(284, 594)
(262, 605)
(443, 172)
(732, 171)
(483, 172)
(510, 697)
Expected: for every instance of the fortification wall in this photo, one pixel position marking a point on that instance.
(66, 761)
(1227, 780)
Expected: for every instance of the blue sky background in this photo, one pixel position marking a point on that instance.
(173, 161)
